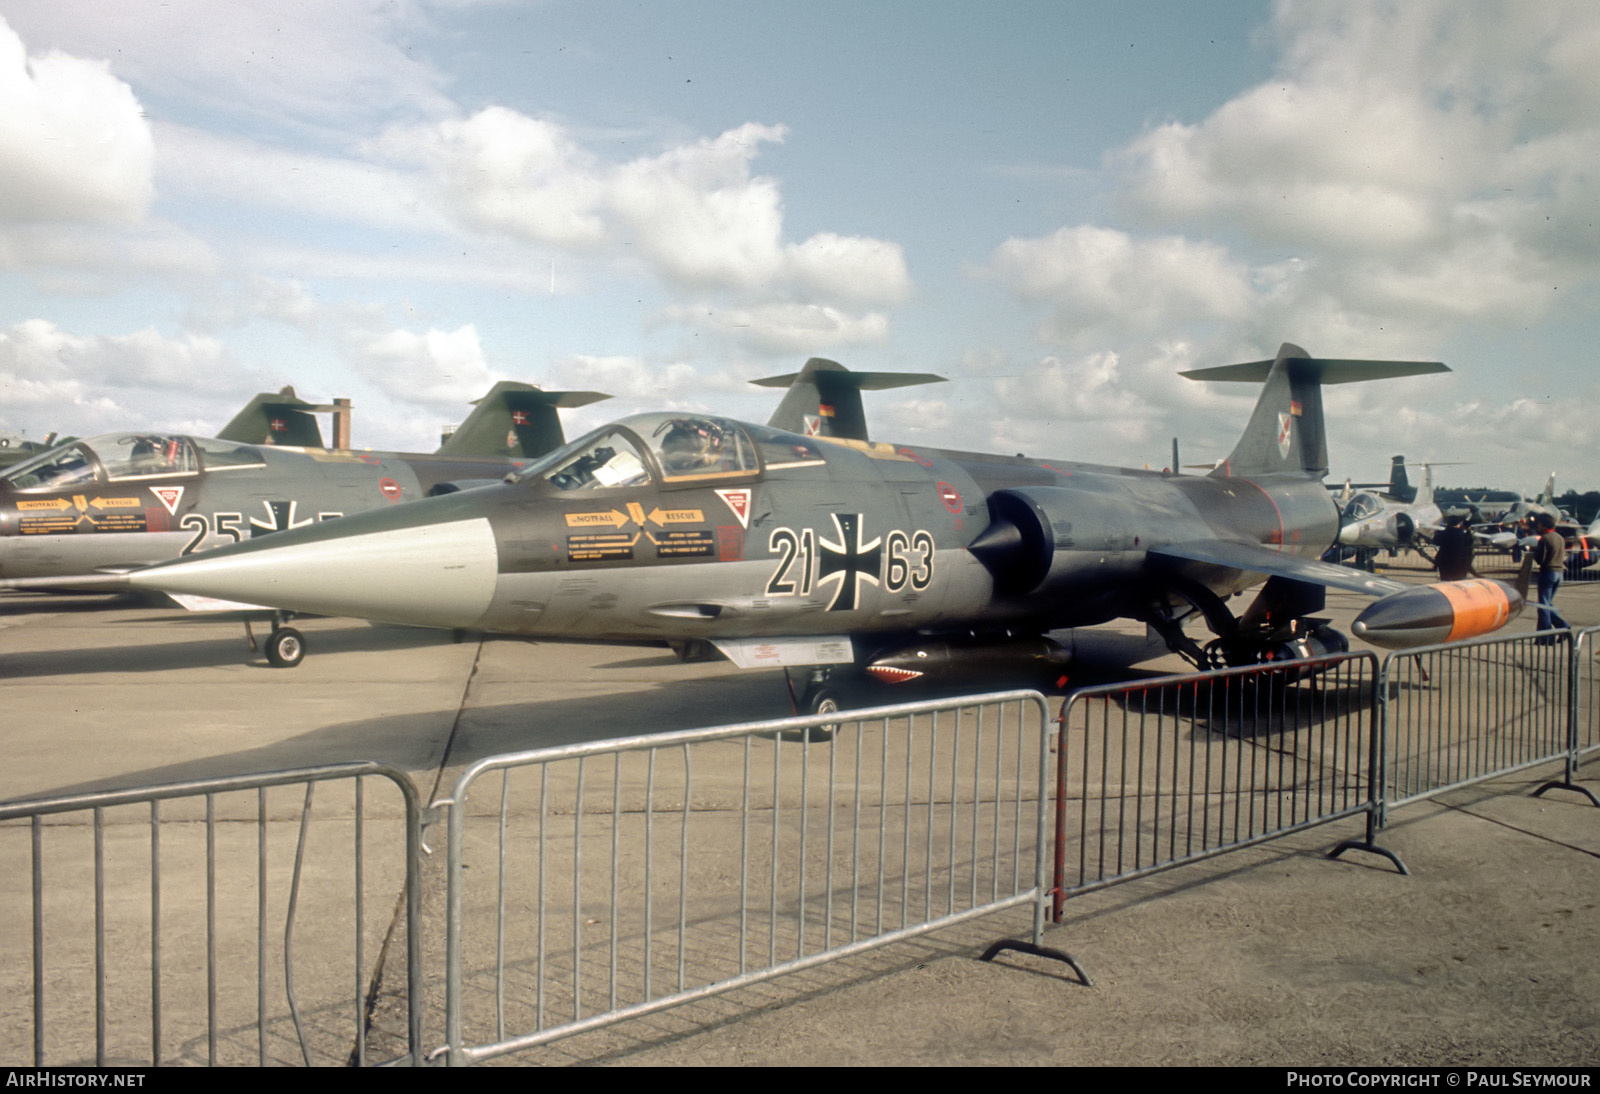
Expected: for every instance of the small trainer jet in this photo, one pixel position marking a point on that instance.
(79, 515)
(779, 549)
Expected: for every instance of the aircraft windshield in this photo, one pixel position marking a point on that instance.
(119, 457)
(675, 448)
(64, 466)
(609, 460)
(1362, 506)
(144, 455)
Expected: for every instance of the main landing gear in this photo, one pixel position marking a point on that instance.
(285, 647)
(818, 699)
(1255, 638)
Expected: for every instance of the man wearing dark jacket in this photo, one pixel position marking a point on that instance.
(1453, 554)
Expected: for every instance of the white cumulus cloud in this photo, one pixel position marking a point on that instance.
(1437, 158)
(1092, 276)
(695, 214)
(94, 383)
(74, 144)
(783, 328)
(437, 367)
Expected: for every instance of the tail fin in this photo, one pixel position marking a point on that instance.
(1286, 433)
(1399, 482)
(1548, 498)
(1424, 493)
(515, 419)
(284, 419)
(824, 398)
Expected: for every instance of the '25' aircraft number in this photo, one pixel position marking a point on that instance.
(906, 561)
(237, 526)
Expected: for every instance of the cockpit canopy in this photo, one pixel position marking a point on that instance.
(1363, 506)
(673, 450)
(124, 457)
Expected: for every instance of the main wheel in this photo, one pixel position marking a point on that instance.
(821, 700)
(286, 648)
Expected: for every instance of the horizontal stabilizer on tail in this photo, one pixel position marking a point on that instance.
(824, 398)
(283, 419)
(1286, 434)
(515, 420)
(1324, 370)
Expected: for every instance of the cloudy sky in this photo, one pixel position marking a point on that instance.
(1058, 205)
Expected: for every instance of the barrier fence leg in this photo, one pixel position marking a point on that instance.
(1053, 894)
(1023, 946)
(1570, 774)
(1370, 845)
(1377, 763)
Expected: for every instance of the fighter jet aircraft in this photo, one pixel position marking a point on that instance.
(1371, 520)
(1528, 508)
(1398, 487)
(779, 549)
(73, 517)
(14, 448)
(285, 419)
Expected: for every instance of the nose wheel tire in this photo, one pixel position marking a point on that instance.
(286, 648)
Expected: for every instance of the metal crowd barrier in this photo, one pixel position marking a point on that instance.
(149, 926)
(1463, 712)
(1582, 568)
(1180, 768)
(1585, 712)
(628, 876)
(591, 884)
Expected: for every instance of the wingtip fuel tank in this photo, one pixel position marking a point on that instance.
(1447, 612)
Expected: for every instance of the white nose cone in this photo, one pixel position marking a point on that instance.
(439, 575)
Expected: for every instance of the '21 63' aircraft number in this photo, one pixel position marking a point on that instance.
(905, 560)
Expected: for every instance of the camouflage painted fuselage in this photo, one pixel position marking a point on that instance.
(865, 539)
(110, 521)
(874, 541)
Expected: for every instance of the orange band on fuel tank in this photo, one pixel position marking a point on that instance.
(1478, 607)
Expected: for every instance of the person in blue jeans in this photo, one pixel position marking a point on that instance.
(1550, 555)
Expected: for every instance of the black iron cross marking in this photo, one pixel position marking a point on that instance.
(849, 560)
(280, 518)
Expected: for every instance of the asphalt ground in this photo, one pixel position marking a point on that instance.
(1271, 955)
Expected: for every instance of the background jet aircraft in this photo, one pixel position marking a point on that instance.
(824, 398)
(1529, 508)
(1371, 522)
(785, 550)
(1517, 525)
(15, 448)
(1398, 487)
(515, 420)
(76, 514)
(285, 419)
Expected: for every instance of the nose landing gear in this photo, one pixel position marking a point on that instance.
(285, 646)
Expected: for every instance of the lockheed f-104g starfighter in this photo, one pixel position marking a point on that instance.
(779, 549)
